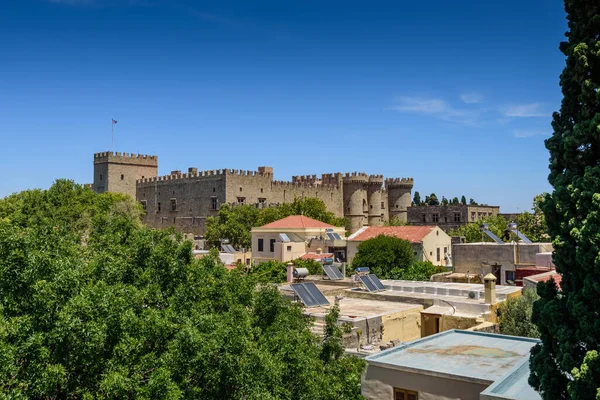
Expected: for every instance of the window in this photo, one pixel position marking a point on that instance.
(382, 205)
(240, 188)
(241, 200)
(262, 200)
(403, 394)
(214, 190)
(173, 204)
(261, 244)
(261, 190)
(510, 276)
(473, 216)
(142, 176)
(158, 206)
(424, 217)
(435, 217)
(438, 254)
(143, 202)
(272, 245)
(100, 176)
(122, 176)
(371, 206)
(445, 250)
(456, 217)
(213, 203)
(289, 248)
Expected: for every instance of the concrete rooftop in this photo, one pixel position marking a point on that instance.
(355, 307)
(512, 386)
(465, 355)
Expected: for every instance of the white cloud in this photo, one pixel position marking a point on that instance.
(471, 98)
(528, 133)
(524, 110)
(437, 108)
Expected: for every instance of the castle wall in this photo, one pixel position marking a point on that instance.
(193, 194)
(356, 207)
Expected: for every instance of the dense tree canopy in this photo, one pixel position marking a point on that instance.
(417, 199)
(235, 223)
(566, 365)
(95, 305)
(384, 254)
(515, 315)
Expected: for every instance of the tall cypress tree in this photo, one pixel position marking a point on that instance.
(566, 364)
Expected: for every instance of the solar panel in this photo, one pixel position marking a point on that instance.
(376, 282)
(316, 293)
(284, 237)
(309, 294)
(332, 272)
(330, 236)
(368, 283)
(304, 295)
(334, 236)
(230, 248)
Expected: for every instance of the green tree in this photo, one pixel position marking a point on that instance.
(515, 315)
(472, 233)
(417, 199)
(472, 202)
(565, 365)
(444, 201)
(396, 221)
(383, 254)
(455, 200)
(433, 200)
(417, 271)
(533, 224)
(128, 313)
(463, 200)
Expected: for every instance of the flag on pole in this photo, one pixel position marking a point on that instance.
(114, 121)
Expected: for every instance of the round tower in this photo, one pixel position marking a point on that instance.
(399, 196)
(374, 199)
(356, 208)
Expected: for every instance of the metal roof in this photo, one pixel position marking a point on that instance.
(461, 355)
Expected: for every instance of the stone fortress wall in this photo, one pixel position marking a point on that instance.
(186, 200)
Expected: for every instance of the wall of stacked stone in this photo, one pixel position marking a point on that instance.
(118, 172)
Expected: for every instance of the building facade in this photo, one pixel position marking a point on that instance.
(186, 200)
(430, 243)
(449, 216)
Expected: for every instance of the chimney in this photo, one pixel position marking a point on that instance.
(490, 288)
(290, 272)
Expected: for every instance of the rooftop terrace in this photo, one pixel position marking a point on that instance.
(464, 355)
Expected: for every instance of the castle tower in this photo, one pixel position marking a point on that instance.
(399, 196)
(116, 172)
(374, 199)
(356, 207)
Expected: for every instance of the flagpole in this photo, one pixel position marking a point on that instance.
(112, 125)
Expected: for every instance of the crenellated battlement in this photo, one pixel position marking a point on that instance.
(407, 183)
(308, 185)
(125, 158)
(306, 179)
(355, 177)
(376, 180)
(193, 173)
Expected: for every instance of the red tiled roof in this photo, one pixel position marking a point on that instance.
(315, 256)
(296, 221)
(413, 234)
(557, 278)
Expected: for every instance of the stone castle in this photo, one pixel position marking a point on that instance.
(185, 200)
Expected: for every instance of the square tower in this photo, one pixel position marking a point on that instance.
(116, 172)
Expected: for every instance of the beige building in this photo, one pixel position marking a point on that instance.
(185, 200)
(452, 365)
(449, 216)
(288, 238)
(430, 243)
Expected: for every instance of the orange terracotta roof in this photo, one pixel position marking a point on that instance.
(315, 256)
(413, 234)
(537, 278)
(295, 222)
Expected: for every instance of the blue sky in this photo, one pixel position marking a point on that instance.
(458, 95)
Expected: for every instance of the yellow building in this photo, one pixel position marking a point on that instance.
(430, 243)
(287, 239)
